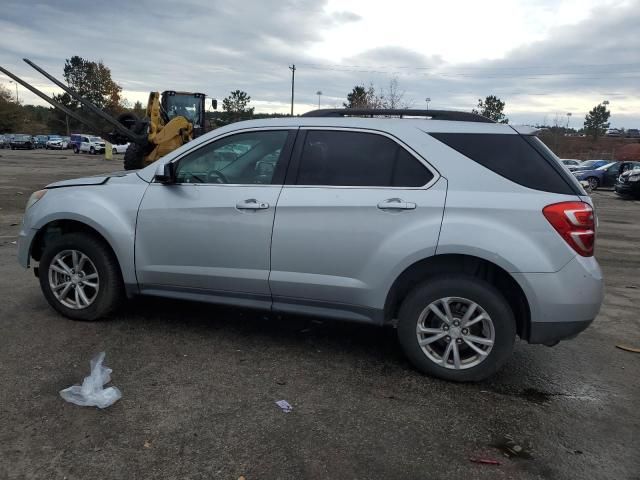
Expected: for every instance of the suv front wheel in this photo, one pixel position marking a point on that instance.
(80, 277)
(457, 327)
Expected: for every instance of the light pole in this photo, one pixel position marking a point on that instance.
(319, 93)
(568, 119)
(428, 99)
(11, 81)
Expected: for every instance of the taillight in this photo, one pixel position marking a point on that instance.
(575, 222)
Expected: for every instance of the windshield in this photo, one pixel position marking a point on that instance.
(22, 137)
(591, 163)
(95, 139)
(54, 137)
(187, 106)
(605, 167)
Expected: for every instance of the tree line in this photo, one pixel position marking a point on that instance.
(93, 81)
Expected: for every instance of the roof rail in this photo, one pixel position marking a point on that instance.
(370, 112)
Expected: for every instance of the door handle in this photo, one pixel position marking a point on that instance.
(396, 204)
(252, 204)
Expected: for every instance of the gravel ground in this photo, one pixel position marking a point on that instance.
(199, 383)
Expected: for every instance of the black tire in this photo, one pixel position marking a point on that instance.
(110, 293)
(114, 151)
(92, 151)
(76, 150)
(133, 157)
(594, 183)
(467, 287)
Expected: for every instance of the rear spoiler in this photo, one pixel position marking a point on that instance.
(526, 129)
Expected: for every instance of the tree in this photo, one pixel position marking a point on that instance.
(11, 114)
(139, 110)
(393, 97)
(596, 121)
(491, 107)
(236, 107)
(93, 82)
(361, 97)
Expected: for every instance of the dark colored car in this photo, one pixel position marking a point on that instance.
(22, 141)
(628, 183)
(633, 133)
(606, 175)
(40, 141)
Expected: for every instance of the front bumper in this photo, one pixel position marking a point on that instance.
(627, 188)
(25, 239)
(562, 303)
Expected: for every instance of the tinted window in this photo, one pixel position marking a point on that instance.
(512, 157)
(358, 159)
(245, 158)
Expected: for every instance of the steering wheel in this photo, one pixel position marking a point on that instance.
(215, 176)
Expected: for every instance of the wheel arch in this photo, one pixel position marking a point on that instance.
(435, 265)
(59, 227)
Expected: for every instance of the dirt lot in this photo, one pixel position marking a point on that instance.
(199, 383)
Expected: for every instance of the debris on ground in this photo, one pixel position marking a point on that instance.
(147, 444)
(485, 461)
(510, 448)
(628, 349)
(92, 392)
(284, 405)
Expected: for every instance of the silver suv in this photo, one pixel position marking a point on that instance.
(461, 232)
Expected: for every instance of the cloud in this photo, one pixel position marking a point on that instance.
(217, 47)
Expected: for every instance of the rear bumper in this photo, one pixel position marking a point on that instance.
(562, 303)
(549, 333)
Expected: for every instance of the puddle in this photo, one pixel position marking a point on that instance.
(541, 397)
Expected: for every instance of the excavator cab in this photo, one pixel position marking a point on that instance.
(185, 104)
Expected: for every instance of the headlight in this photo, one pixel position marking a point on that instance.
(634, 178)
(35, 196)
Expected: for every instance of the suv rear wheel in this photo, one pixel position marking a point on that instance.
(457, 327)
(80, 277)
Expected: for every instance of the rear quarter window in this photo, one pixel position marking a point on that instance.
(512, 157)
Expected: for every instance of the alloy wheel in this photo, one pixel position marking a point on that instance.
(74, 279)
(455, 333)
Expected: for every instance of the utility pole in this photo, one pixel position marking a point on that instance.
(293, 82)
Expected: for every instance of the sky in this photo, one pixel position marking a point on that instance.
(544, 58)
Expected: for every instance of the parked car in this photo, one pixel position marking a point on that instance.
(570, 163)
(21, 141)
(628, 183)
(4, 142)
(119, 148)
(55, 142)
(425, 225)
(590, 165)
(87, 143)
(604, 176)
(40, 141)
(633, 133)
(614, 132)
(66, 142)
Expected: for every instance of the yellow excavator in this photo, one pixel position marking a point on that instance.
(172, 119)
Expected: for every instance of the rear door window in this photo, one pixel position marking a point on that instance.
(512, 157)
(342, 158)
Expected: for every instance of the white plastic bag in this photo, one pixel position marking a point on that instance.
(92, 392)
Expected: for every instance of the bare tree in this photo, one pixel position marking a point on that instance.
(392, 97)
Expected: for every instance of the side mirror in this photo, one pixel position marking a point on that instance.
(166, 173)
(214, 103)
